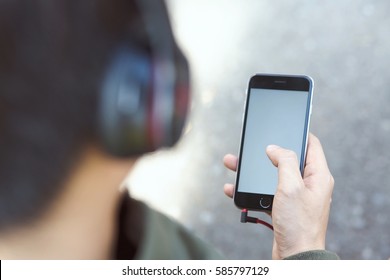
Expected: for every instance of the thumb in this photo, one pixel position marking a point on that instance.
(287, 163)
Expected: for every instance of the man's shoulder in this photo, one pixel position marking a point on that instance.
(158, 236)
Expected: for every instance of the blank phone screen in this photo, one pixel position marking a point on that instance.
(273, 117)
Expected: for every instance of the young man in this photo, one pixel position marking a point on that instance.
(84, 87)
(66, 145)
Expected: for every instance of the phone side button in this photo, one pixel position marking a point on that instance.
(265, 202)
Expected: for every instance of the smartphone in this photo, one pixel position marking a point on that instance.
(277, 111)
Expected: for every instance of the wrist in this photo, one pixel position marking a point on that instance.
(301, 247)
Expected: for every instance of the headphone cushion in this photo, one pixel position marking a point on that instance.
(124, 106)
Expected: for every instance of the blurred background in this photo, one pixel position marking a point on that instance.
(345, 46)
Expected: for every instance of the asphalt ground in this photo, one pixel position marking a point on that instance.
(345, 46)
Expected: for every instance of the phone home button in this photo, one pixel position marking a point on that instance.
(265, 202)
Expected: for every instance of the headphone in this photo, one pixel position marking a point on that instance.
(145, 92)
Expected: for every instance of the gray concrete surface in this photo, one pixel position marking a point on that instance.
(345, 46)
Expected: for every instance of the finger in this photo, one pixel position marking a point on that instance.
(315, 154)
(280, 156)
(316, 168)
(287, 163)
(230, 161)
(229, 190)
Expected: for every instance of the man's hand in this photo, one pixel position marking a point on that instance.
(301, 205)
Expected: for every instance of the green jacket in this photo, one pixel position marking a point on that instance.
(314, 255)
(146, 234)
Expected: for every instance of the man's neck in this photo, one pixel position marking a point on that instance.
(81, 223)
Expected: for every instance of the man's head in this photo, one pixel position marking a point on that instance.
(55, 57)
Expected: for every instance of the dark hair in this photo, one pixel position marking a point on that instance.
(52, 59)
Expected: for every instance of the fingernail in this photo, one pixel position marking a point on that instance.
(272, 147)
